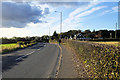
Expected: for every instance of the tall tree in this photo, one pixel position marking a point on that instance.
(55, 35)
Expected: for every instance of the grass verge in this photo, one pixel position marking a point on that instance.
(7, 48)
(100, 60)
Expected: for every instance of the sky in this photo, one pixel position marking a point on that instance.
(35, 18)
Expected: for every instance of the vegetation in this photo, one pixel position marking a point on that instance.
(55, 36)
(5, 48)
(53, 41)
(115, 43)
(15, 43)
(100, 60)
(101, 35)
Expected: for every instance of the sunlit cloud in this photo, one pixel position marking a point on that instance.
(35, 18)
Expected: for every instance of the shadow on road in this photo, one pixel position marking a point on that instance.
(38, 46)
(8, 62)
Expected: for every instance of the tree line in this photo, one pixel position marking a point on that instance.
(24, 40)
(103, 34)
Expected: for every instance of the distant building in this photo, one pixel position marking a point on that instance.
(70, 37)
(79, 36)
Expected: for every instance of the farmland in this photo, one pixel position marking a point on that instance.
(8, 47)
(5, 48)
(114, 43)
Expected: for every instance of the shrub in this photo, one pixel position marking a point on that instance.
(101, 61)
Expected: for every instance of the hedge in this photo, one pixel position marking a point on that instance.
(101, 61)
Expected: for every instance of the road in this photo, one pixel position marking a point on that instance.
(39, 61)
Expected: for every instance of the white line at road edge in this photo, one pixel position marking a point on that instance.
(38, 49)
(25, 55)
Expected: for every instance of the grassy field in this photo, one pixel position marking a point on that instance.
(115, 43)
(6, 47)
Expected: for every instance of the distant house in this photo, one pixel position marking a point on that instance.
(70, 37)
(79, 36)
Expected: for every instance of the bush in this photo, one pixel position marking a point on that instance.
(101, 61)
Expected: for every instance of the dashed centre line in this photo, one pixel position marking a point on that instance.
(25, 55)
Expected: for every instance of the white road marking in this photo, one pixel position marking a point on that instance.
(40, 48)
(25, 55)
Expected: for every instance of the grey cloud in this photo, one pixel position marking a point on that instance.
(46, 11)
(19, 14)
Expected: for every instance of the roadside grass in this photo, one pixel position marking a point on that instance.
(114, 43)
(99, 60)
(8, 45)
(6, 48)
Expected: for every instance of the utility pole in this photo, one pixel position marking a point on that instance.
(60, 24)
(49, 32)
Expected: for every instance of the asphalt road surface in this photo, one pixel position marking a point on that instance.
(38, 61)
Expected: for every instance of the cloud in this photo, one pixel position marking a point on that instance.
(112, 10)
(105, 12)
(115, 8)
(66, 4)
(83, 8)
(90, 11)
(10, 32)
(20, 14)
(64, 0)
(46, 11)
(76, 21)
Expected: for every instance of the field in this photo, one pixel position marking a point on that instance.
(115, 43)
(6, 47)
